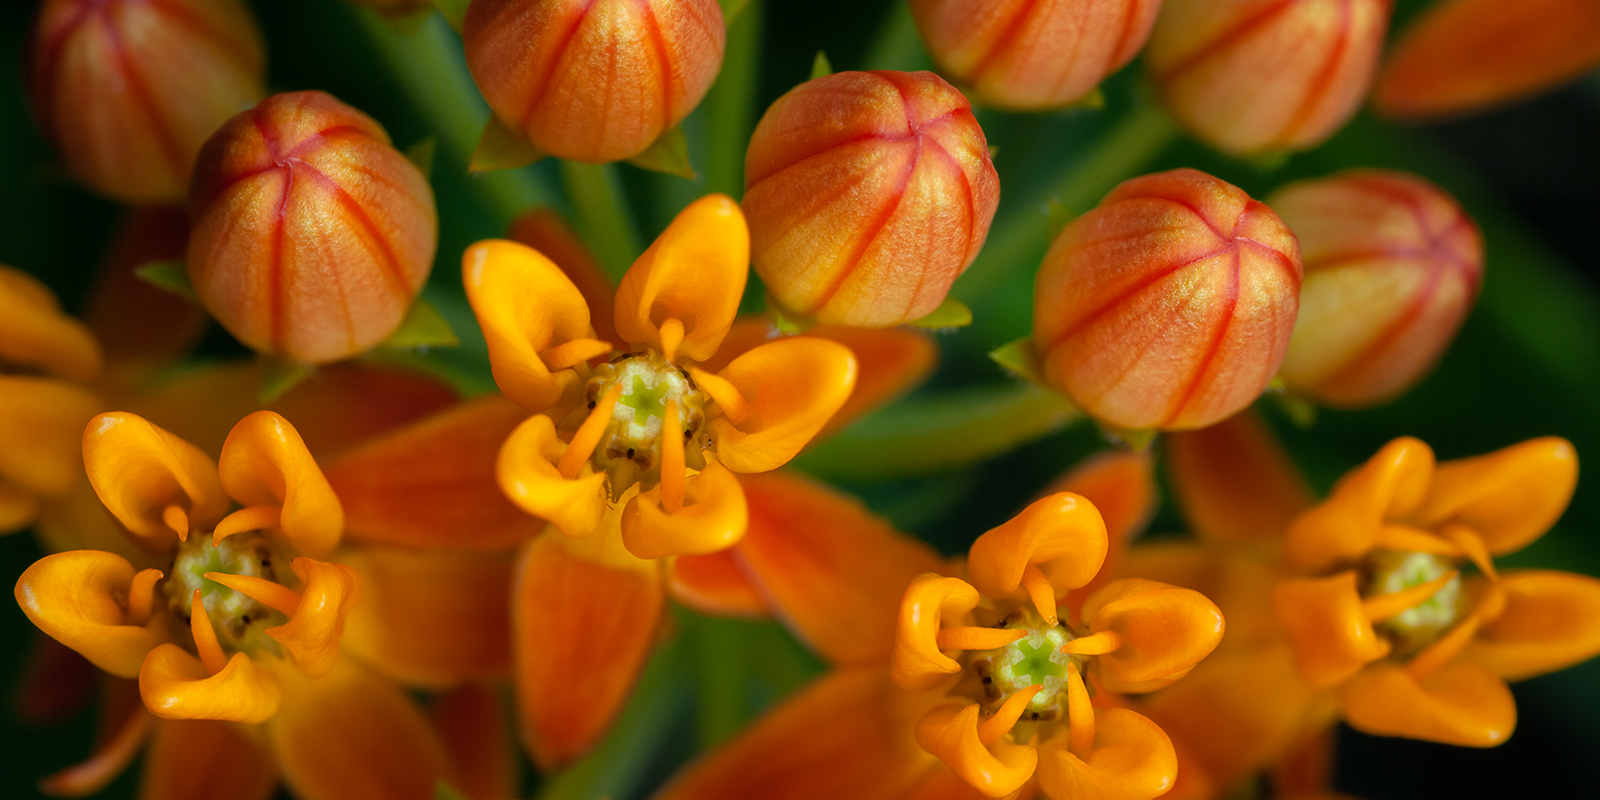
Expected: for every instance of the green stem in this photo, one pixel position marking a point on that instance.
(897, 45)
(602, 214)
(730, 105)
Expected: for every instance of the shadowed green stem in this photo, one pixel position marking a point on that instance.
(601, 211)
(730, 105)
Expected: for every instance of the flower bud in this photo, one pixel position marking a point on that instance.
(867, 194)
(593, 80)
(311, 233)
(128, 90)
(1254, 76)
(1032, 56)
(1392, 265)
(1169, 305)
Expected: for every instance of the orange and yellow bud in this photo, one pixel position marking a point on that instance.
(128, 91)
(1392, 265)
(1255, 76)
(1032, 56)
(593, 80)
(1169, 305)
(312, 233)
(1467, 55)
(867, 193)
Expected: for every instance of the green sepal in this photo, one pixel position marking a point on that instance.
(1020, 359)
(820, 68)
(1095, 100)
(168, 275)
(1137, 441)
(1299, 409)
(1268, 162)
(500, 147)
(421, 154)
(444, 791)
(423, 326)
(454, 11)
(669, 153)
(952, 313)
(786, 321)
(731, 9)
(279, 375)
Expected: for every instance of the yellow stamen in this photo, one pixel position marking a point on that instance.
(254, 518)
(177, 520)
(1472, 545)
(672, 466)
(671, 337)
(1040, 591)
(1412, 540)
(574, 352)
(999, 723)
(1439, 653)
(1384, 606)
(1097, 645)
(733, 404)
(205, 638)
(588, 436)
(261, 590)
(977, 638)
(141, 595)
(1080, 715)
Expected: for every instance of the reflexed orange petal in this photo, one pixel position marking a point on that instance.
(832, 571)
(544, 230)
(431, 618)
(175, 685)
(694, 273)
(1122, 488)
(745, 334)
(1551, 621)
(951, 733)
(1240, 583)
(931, 599)
(352, 735)
(477, 735)
(714, 518)
(715, 584)
(868, 751)
(17, 509)
(311, 636)
(1165, 631)
(79, 521)
(138, 470)
(34, 333)
(1132, 759)
(1392, 484)
(1235, 482)
(581, 632)
(941, 783)
(1509, 497)
(432, 483)
(528, 475)
(1062, 533)
(889, 363)
(265, 463)
(525, 305)
(1332, 637)
(1461, 704)
(201, 759)
(794, 386)
(74, 597)
(41, 423)
(121, 736)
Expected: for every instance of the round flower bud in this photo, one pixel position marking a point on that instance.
(1255, 76)
(1032, 56)
(593, 80)
(867, 194)
(1169, 305)
(1392, 265)
(311, 234)
(128, 90)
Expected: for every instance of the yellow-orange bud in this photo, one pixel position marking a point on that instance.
(867, 194)
(312, 235)
(1392, 265)
(128, 90)
(1169, 305)
(1028, 56)
(593, 80)
(1254, 76)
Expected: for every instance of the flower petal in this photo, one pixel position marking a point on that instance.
(1234, 481)
(265, 463)
(1461, 704)
(1509, 497)
(544, 230)
(432, 483)
(1551, 621)
(942, 783)
(472, 723)
(1132, 759)
(311, 636)
(34, 333)
(951, 733)
(695, 273)
(525, 306)
(18, 509)
(526, 469)
(1391, 485)
(931, 599)
(715, 584)
(832, 571)
(1122, 487)
(141, 326)
(42, 422)
(202, 759)
(175, 685)
(1062, 533)
(1240, 583)
(73, 597)
(1332, 637)
(793, 386)
(123, 728)
(1165, 631)
(889, 362)
(714, 518)
(431, 618)
(352, 735)
(139, 470)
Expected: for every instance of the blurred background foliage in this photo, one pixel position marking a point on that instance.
(1527, 362)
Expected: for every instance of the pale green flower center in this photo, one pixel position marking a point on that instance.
(232, 613)
(630, 449)
(1036, 658)
(1418, 626)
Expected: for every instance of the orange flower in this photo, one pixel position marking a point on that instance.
(1254, 76)
(312, 234)
(868, 193)
(1392, 265)
(593, 80)
(128, 91)
(1030, 56)
(1464, 56)
(1169, 305)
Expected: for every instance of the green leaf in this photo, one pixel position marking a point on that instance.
(1020, 359)
(820, 68)
(454, 11)
(669, 153)
(279, 375)
(502, 148)
(421, 154)
(952, 313)
(731, 9)
(444, 791)
(423, 326)
(169, 275)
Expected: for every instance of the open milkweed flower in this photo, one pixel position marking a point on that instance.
(593, 80)
(1033, 56)
(868, 194)
(1392, 265)
(1260, 76)
(128, 91)
(1169, 305)
(312, 234)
